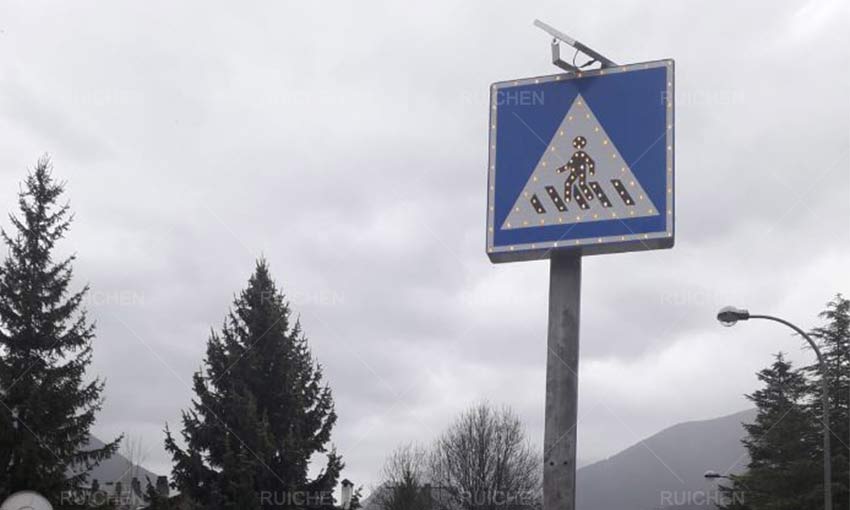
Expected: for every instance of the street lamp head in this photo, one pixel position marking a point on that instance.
(712, 474)
(729, 315)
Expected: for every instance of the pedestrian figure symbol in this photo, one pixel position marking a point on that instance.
(579, 177)
(579, 167)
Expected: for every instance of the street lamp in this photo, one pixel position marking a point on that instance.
(713, 475)
(729, 316)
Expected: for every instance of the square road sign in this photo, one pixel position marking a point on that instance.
(581, 162)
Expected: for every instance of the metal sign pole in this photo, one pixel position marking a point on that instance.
(559, 469)
(577, 194)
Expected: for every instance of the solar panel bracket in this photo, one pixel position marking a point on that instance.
(558, 37)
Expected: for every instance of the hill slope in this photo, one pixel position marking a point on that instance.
(666, 470)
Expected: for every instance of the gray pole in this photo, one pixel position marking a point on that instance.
(559, 455)
(827, 453)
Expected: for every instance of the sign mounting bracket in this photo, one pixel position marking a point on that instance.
(558, 37)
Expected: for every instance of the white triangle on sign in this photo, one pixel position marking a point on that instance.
(580, 177)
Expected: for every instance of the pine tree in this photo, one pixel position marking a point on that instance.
(154, 500)
(45, 347)
(784, 469)
(834, 341)
(260, 413)
(355, 503)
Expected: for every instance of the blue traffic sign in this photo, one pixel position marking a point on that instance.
(581, 161)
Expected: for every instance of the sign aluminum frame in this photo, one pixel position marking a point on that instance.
(582, 162)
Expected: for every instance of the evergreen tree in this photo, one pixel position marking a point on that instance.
(355, 499)
(834, 341)
(260, 413)
(784, 472)
(45, 347)
(154, 500)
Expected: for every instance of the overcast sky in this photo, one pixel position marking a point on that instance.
(346, 143)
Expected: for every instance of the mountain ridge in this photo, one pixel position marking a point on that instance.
(666, 469)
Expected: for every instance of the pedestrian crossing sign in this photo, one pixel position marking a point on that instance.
(581, 161)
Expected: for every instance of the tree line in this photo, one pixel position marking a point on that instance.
(784, 443)
(261, 412)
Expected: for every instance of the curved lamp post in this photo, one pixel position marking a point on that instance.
(729, 316)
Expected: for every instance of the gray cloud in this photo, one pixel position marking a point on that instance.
(346, 143)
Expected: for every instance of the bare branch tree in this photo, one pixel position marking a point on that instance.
(133, 450)
(485, 461)
(403, 486)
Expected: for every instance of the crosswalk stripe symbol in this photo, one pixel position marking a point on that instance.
(581, 176)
